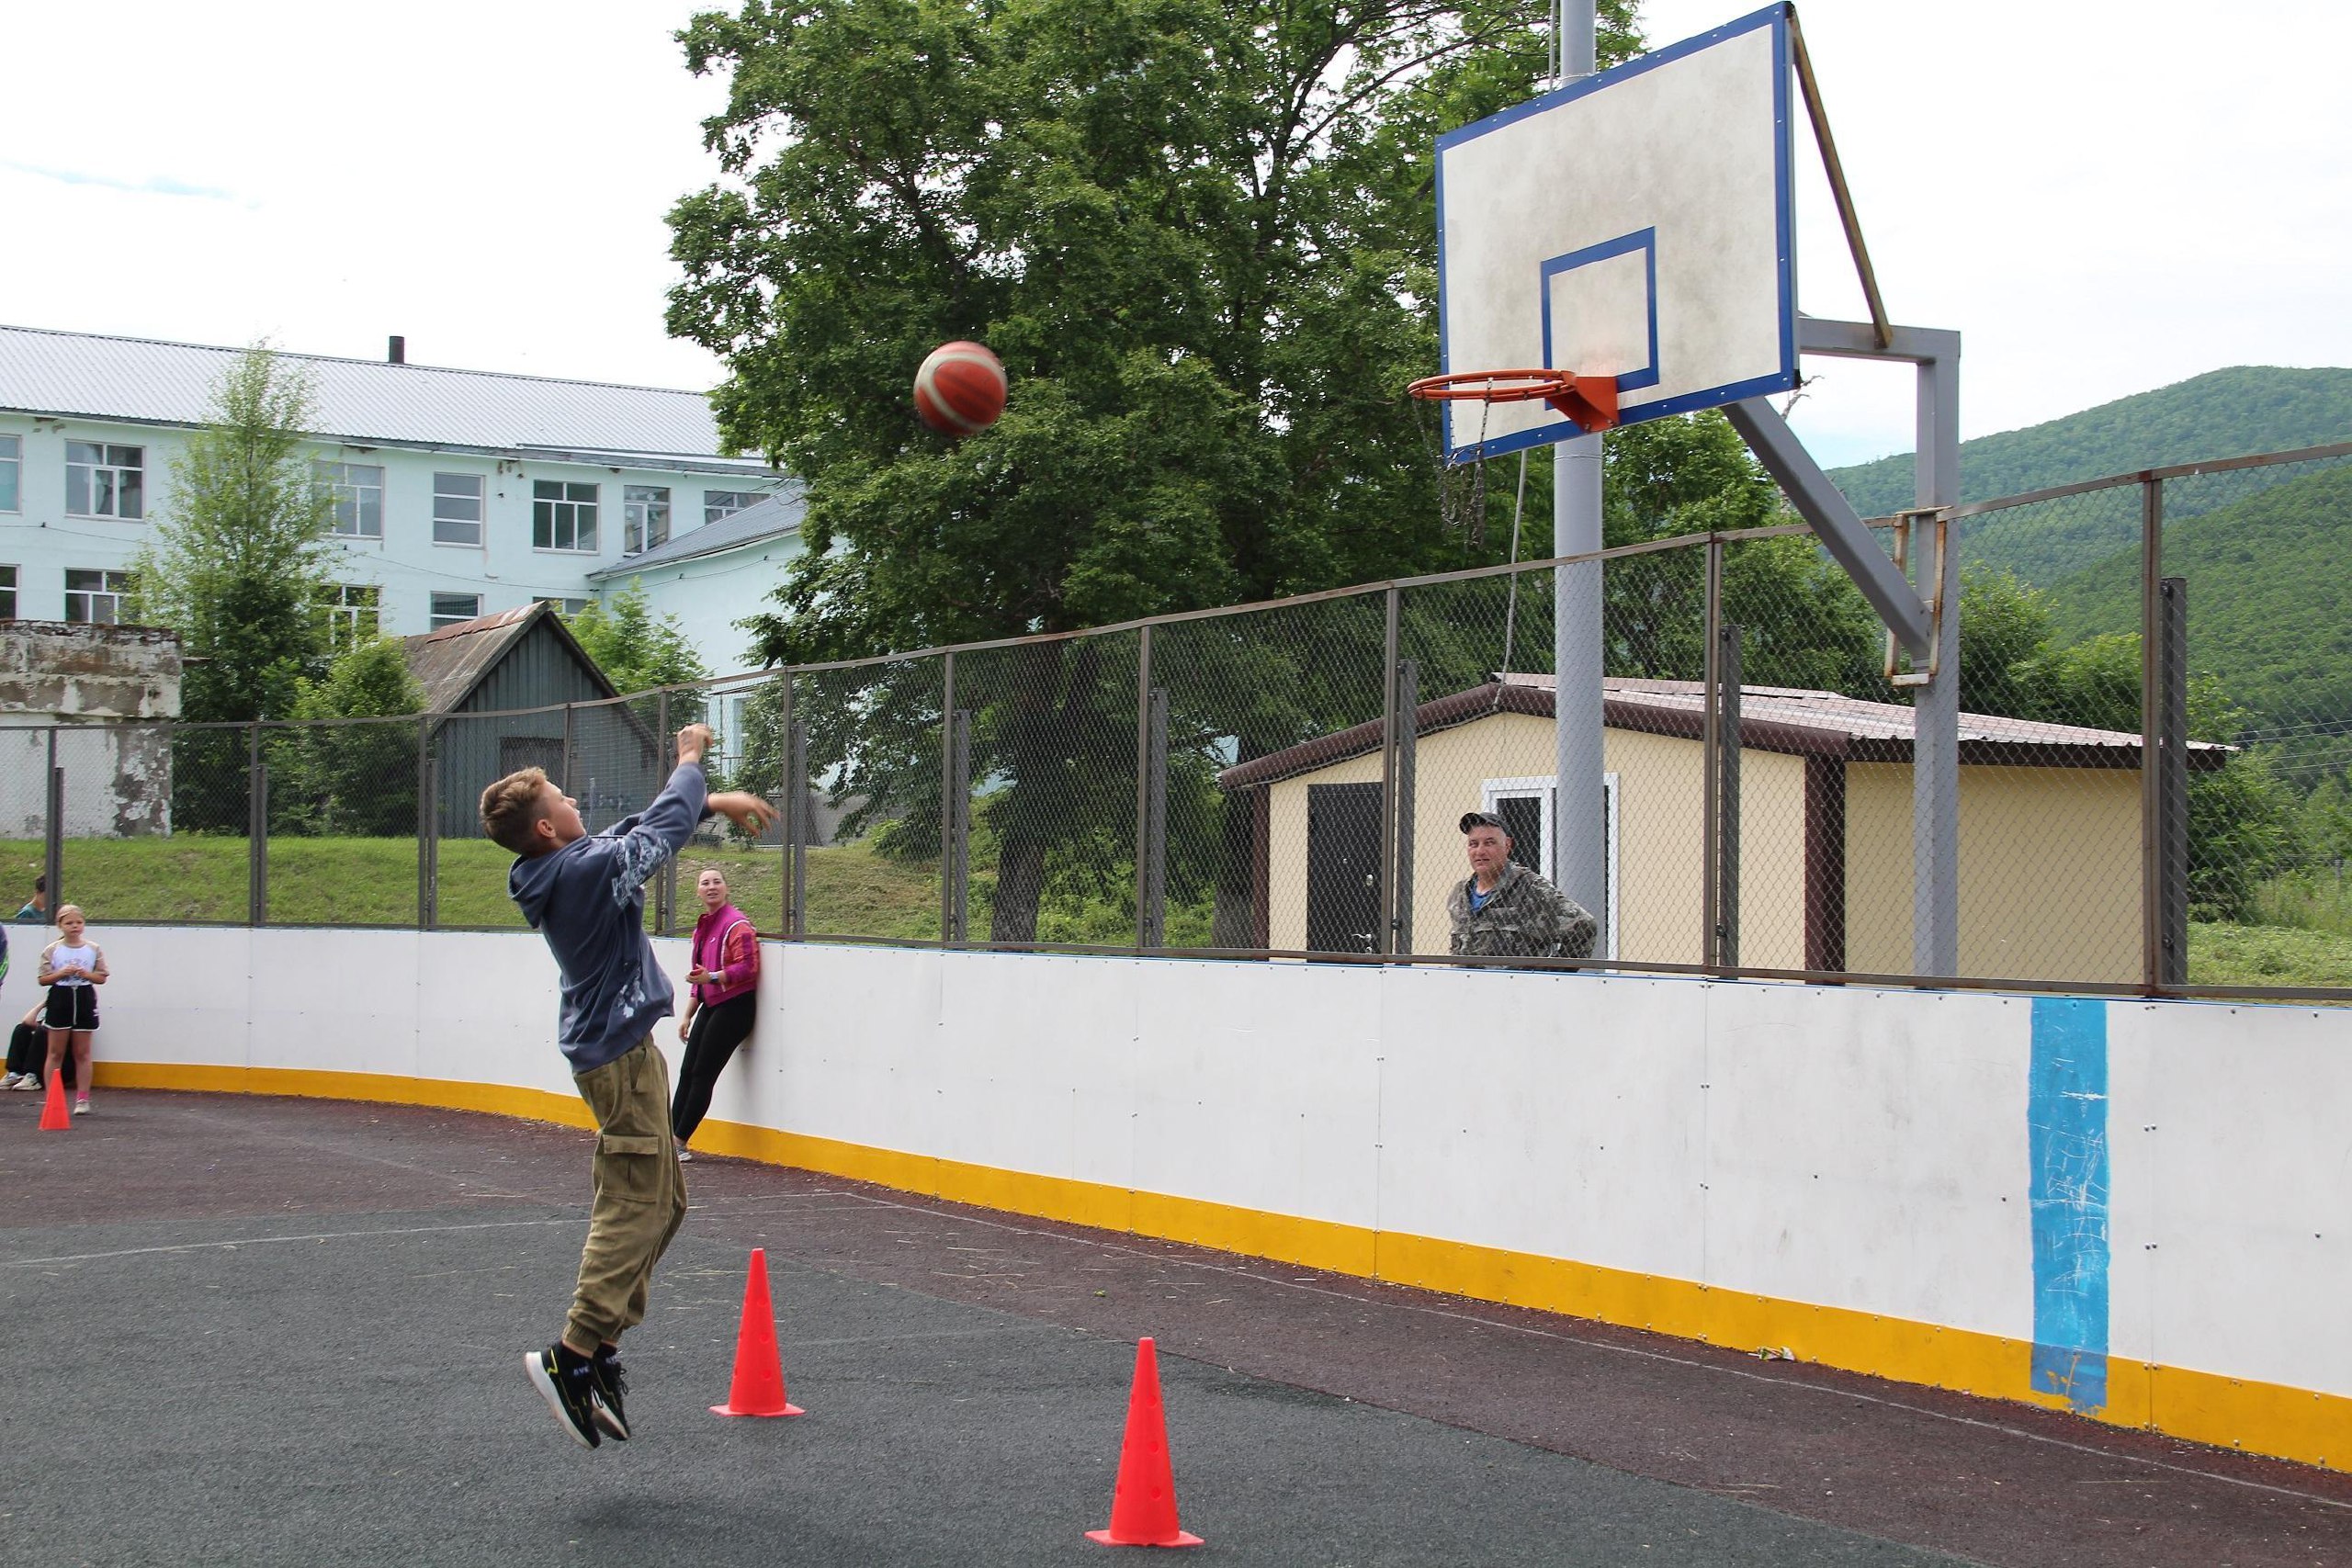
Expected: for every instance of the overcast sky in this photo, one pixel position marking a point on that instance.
(2103, 196)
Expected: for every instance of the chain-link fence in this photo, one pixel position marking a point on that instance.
(1287, 780)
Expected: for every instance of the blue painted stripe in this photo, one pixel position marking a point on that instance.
(2067, 1117)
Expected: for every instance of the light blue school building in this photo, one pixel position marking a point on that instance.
(459, 493)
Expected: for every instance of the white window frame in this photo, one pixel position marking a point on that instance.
(12, 459)
(567, 506)
(749, 499)
(7, 592)
(1544, 787)
(115, 582)
(437, 618)
(480, 499)
(350, 620)
(114, 467)
(637, 517)
(335, 477)
(561, 605)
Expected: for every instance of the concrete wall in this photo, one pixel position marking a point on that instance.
(118, 780)
(2131, 1210)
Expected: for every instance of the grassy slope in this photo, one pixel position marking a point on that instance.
(2223, 413)
(852, 891)
(203, 877)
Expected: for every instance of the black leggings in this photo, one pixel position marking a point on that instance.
(711, 1039)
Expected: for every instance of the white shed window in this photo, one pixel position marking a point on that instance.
(563, 515)
(12, 464)
(645, 517)
(457, 509)
(358, 492)
(104, 481)
(7, 592)
(1526, 804)
(448, 609)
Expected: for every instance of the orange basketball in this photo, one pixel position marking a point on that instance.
(960, 388)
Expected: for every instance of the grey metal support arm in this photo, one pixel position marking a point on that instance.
(1833, 519)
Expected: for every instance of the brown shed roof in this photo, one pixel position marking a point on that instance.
(450, 662)
(1772, 718)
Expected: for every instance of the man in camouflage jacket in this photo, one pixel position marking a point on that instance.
(1504, 910)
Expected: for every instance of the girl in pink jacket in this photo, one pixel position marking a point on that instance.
(722, 996)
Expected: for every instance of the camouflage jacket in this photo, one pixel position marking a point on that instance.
(1526, 918)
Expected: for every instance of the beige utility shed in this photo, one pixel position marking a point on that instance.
(2049, 829)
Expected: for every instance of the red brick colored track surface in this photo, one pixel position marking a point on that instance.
(188, 1232)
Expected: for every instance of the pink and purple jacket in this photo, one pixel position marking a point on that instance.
(726, 945)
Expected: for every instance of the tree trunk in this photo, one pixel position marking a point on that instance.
(1020, 880)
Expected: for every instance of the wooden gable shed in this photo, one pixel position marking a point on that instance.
(2049, 827)
(543, 702)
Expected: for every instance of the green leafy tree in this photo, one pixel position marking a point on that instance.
(638, 650)
(331, 778)
(239, 563)
(1801, 622)
(1201, 238)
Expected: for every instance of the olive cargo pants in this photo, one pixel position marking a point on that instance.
(640, 1195)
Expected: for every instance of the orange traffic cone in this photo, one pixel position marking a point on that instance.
(52, 1109)
(757, 1388)
(1143, 1503)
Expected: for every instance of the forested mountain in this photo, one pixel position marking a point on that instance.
(2223, 413)
(2269, 597)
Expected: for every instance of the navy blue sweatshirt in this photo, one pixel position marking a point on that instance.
(588, 899)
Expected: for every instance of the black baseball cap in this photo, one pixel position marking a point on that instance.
(1484, 820)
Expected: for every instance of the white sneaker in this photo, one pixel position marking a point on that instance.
(81, 1104)
(26, 1082)
(11, 1080)
(685, 1154)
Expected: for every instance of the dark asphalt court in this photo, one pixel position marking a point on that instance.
(271, 1331)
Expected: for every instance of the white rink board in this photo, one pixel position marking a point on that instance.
(1637, 224)
(1840, 1146)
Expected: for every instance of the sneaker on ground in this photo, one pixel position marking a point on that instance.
(24, 1081)
(685, 1154)
(610, 1385)
(81, 1104)
(569, 1393)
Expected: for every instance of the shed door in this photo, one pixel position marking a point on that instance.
(1343, 868)
(517, 752)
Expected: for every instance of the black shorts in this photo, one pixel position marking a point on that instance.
(72, 1007)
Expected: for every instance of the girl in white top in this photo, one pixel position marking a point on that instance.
(73, 969)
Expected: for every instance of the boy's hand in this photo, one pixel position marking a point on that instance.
(746, 810)
(693, 741)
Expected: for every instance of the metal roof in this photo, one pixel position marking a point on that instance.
(1789, 719)
(362, 400)
(450, 662)
(769, 518)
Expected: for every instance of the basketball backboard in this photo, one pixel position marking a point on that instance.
(1633, 224)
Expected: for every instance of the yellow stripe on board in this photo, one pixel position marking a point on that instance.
(2206, 1407)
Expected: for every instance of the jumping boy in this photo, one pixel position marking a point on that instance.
(586, 894)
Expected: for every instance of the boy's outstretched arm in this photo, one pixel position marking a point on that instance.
(661, 831)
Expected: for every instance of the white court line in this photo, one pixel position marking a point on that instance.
(233, 1242)
(1360, 1300)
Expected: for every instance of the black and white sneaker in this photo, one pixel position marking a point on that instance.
(570, 1392)
(608, 1386)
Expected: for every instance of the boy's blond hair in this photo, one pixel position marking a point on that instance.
(513, 807)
